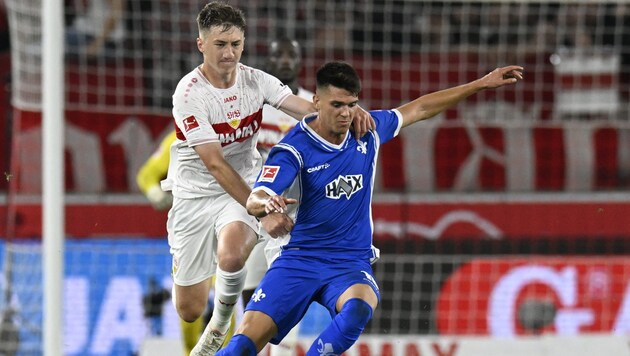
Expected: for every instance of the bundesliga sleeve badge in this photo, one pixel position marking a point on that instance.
(269, 173)
(190, 123)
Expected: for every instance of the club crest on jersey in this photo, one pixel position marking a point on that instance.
(269, 173)
(344, 185)
(190, 123)
(234, 118)
(362, 147)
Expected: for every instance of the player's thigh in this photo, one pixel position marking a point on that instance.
(237, 231)
(284, 294)
(196, 294)
(192, 240)
(256, 266)
(349, 280)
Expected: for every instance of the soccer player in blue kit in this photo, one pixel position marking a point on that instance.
(322, 178)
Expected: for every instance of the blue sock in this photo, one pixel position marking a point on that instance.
(344, 329)
(239, 345)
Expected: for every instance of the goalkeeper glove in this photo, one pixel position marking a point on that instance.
(160, 200)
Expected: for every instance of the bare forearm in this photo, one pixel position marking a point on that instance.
(231, 182)
(297, 107)
(432, 104)
(429, 105)
(256, 204)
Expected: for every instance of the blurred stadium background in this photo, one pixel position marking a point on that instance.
(506, 216)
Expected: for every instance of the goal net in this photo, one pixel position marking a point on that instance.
(465, 204)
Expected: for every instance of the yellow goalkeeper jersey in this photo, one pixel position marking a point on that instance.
(156, 167)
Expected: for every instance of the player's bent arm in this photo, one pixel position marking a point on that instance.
(270, 209)
(297, 107)
(260, 203)
(432, 104)
(256, 203)
(212, 156)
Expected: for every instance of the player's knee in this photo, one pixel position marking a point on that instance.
(354, 316)
(190, 312)
(232, 262)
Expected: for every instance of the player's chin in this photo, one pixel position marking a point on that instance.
(344, 123)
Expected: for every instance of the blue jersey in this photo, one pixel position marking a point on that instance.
(333, 187)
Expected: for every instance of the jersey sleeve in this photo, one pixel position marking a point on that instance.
(280, 170)
(192, 117)
(274, 91)
(388, 123)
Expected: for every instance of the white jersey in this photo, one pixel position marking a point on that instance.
(231, 116)
(276, 124)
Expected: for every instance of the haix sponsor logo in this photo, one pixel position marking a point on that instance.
(229, 99)
(317, 168)
(347, 185)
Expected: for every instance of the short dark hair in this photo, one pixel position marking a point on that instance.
(340, 75)
(217, 13)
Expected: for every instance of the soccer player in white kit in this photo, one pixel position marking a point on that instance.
(284, 63)
(217, 109)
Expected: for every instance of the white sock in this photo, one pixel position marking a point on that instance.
(227, 289)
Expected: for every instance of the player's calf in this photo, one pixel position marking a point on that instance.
(344, 330)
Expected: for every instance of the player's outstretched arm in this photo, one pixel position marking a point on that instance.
(432, 104)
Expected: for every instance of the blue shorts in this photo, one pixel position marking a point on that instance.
(293, 282)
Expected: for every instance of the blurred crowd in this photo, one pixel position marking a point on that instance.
(159, 36)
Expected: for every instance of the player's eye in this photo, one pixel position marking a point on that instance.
(352, 105)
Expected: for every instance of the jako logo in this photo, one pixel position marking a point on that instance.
(317, 168)
(347, 185)
(229, 99)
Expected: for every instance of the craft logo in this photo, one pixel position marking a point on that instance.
(190, 123)
(269, 173)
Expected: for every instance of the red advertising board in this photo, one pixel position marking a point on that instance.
(579, 295)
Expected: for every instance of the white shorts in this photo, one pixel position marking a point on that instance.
(263, 254)
(256, 265)
(193, 227)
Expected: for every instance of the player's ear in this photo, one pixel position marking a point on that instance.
(316, 101)
(200, 44)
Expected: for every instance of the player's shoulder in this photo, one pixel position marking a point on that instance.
(250, 73)
(190, 84)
